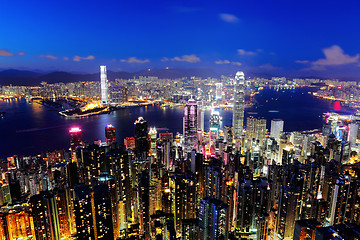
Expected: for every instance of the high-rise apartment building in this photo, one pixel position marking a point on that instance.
(255, 129)
(46, 218)
(213, 219)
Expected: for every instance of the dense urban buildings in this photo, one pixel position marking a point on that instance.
(252, 180)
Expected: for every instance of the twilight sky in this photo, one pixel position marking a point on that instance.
(294, 38)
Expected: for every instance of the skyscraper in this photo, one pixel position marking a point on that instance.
(75, 138)
(218, 91)
(352, 134)
(239, 104)
(190, 124)
(141, 137)
(104, 85)
(255, 129)
(110, 134)
(92, 207)
(213, 219)
(214, 126)
(45, 213)
(153, 138)
(277, 127)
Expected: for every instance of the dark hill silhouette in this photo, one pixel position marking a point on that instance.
(30, 78)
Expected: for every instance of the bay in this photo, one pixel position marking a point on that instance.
(30, 128)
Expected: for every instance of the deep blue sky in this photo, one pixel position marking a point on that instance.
(280, 37)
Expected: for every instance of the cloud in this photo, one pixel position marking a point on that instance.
(236, 63)
(314, 68)
(269, 67)
(48, 56)
(242, 52)
(230, 18)
(187, 58)
(78, 58)
(228, 62)
(134, 60)
(66, 58)
(6, 53)
(165, 59)
(222, 62)
(302, 61)
(335, 56)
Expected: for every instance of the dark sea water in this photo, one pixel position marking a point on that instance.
(29, 129)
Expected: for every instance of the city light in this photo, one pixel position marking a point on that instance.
(216, 120)
(75, 130)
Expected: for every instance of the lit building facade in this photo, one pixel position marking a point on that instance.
(75, 138)
(110, 134)
(141, 137)
(103, 85)
(190, 124)
(218, 91)
(239, 105)
(277, 127)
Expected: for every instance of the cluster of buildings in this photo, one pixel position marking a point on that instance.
(116, 91)
(342, 92)
(233, 182)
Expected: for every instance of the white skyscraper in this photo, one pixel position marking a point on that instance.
(277, 127)
(190, 124)
(201, 121)
(352, 134)
(239, 104)
(103, 85)
(218, 91)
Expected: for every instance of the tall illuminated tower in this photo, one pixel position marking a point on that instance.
(214, 126)
(239, 104)
(277, 127)
(190, 124)
(141, 137)
(352, 134)
(75, 138)
(103, 85)
(110, 134)
(218, 91)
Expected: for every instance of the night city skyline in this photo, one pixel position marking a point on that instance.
(280, 38)
(179, 120)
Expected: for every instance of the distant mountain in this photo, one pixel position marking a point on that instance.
(259, 75)
(18, 77)
(179, 73)
(33, 78)
(18, 73)
(66, 77)
(30, 78)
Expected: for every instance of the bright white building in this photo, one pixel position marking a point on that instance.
(277, 127)
(103, 85)
(239, 105)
